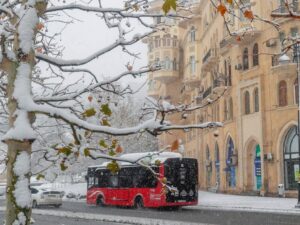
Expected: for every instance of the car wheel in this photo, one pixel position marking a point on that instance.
(57, 206)
(34, 204)
(100, 201)
(138, 203)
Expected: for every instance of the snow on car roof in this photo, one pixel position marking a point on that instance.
(145, 157)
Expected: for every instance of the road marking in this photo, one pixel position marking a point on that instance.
(110, 218)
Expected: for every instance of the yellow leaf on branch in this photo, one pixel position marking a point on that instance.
(89, 112)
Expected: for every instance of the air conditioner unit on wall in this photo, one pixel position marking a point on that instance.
(271, 42)
(268, 156)
(238, 66)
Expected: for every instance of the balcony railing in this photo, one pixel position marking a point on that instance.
(210, 59)
(207, 55)
(293, 7)
(291, 55)
(223, 43)
(217, 83)
(207, 92)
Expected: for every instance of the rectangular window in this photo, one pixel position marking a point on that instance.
(294, 31)
(281, 37)
(192, 64)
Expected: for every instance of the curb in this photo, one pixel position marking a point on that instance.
(111, 218)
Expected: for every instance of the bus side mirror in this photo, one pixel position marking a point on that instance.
(86, 178)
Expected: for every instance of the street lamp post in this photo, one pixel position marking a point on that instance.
(284, 59)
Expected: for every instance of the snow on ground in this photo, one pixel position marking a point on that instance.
(220, 201)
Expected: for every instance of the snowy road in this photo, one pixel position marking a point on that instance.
(186, 216)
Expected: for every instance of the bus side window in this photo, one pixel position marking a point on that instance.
(113, 181)
(102, 178)
(90, 182)
(146, 178)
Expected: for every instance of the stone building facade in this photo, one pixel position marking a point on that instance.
(252, 93)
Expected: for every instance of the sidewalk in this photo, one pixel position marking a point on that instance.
(224, 202)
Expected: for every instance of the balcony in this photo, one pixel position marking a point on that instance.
(218, 86)
(244, 35)
(192, 81)
(223, 43)
(209, 60)
(283, 13)
(166, 76)
(287, 69)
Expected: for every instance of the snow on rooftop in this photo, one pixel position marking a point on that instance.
(145, 157)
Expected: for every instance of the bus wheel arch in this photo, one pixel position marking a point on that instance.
(138, 202)
(100, 201)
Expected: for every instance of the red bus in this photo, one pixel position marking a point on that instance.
(136, 186)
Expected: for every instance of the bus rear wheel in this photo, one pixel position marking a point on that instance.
(100, 201)
(138, 203)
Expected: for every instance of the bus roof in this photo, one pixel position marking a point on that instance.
(147, 157)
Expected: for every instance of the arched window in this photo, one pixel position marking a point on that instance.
(174, 41)
(230, 109)
(217, 154)
(174, 64)
(207, 153)
(282, 93)
(245, 59)
(167, 63)
(296, 90)
(230, 169)
(247, 102)
(164, 41)
(150, 46)
(255, 54)
(291, 158)
(256, 100)
(225, 110)
(192, 64)
(229, 74)
(167, 40)
(157, 62)
(192, 34)
(217, 112)
(208, 167)
(217, 163)
(157, 41)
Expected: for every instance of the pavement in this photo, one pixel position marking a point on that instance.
(229, 202)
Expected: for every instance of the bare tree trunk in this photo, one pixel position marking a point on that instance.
(14, 210)
(18, 196)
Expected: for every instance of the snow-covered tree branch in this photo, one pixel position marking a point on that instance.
(39, 82)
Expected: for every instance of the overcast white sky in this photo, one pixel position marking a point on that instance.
(90, 33)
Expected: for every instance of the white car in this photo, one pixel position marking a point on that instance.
(45, 197)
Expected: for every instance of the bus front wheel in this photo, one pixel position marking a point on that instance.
(100, 201)
(138, 203)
